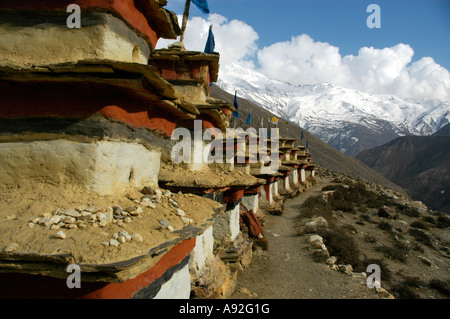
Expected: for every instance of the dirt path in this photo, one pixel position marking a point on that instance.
(287, 271)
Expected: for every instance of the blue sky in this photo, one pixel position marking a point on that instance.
(422, 24)
(328, 41)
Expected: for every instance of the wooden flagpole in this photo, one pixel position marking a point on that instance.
(185, 19)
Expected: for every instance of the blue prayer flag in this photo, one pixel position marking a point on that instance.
(235, 104)
(302, 136)
(210, 43)
(307, 143)
(249, 119)
(202, 5)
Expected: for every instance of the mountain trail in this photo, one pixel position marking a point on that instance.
(286, 270)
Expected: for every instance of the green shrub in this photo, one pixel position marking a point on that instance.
(315, 205)
(370, 239)
(349, 229)
(315, 202)
(440, 286)
(347, 181)
(378, 201)
(410, 212)
(340, 204)
(430, 220)
(329, 188)
(419, 224)
(443, 222)
(396, 252)
(400, 207)
(345, 198)
(366, 218)
(363, 209)
(343, 246)
(417, 247)
(406, 289)
(402, 291)
(415, 282)
(385, 226)
(421, 236)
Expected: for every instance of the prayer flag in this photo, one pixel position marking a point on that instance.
(202, 5)
(210, 43)
(235, 104)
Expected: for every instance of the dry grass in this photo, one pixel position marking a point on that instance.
(396, 252)
(390, 246)
(343, 246)
(443, 221)
(440, 286)
(421, 236)
(419, 224)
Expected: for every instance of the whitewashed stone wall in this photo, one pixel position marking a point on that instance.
(202, 252)
(275, 187)
(226, 226)
(105, 167)
(177, 287)
(251, 202)
(302, 175)
(264, 199)
(286, 185)
(49, 41)
(293, 178)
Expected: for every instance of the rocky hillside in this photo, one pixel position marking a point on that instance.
(419, 164)
(353, 224)
(322, 153)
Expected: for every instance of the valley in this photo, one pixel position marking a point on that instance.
(349, 120)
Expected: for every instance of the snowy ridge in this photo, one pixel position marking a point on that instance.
(347, 119)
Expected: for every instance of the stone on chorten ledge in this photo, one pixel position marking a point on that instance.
(189, 72)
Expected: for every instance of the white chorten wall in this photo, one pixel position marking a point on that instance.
(251, 202)
(226, 226)
(275, 190)
(293, 178)
(302, 175)
(203, 251)
(177, 287)
(266, 197)
(50, 41)
(104, 167)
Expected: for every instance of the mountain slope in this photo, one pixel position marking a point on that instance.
(346, 119)
(322, 153)
(445, 131)
(420, 164)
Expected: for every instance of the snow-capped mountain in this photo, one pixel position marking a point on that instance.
(347, 119)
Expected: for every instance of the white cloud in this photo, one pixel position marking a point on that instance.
(387, 70)
(305, 61)
(301, 61)
(235, 40)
